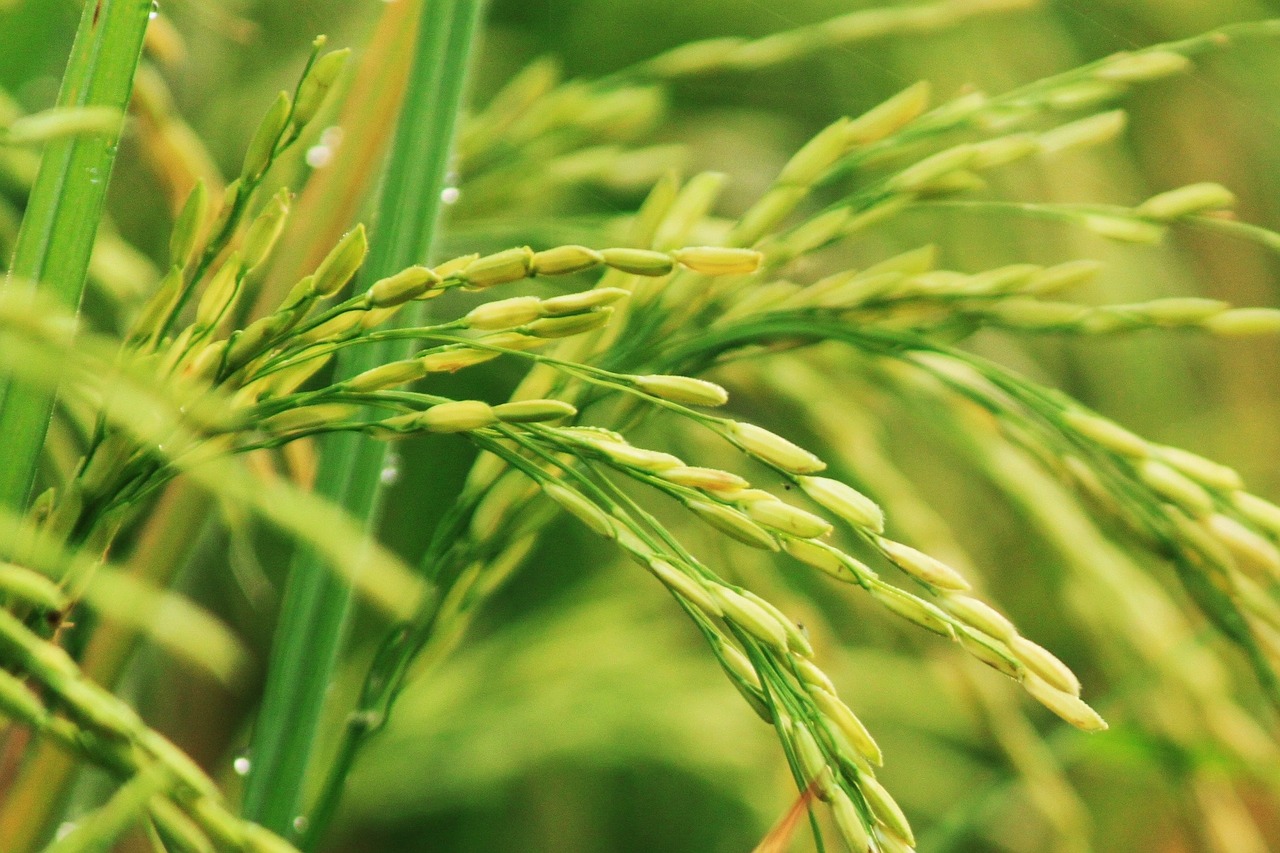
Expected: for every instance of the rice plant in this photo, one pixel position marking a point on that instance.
(302, 465)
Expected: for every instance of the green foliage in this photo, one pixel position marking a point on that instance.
(815, 419)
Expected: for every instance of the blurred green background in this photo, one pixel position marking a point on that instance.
(583, 714)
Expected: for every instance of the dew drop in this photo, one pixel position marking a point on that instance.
(390, 473)
(155, 10)
(319, 156)
(450, 195)
(241, 765)
(300, 823)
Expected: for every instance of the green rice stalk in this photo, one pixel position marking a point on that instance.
(314, 610)
(63, 212)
